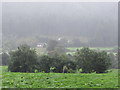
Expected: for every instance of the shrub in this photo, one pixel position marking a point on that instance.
(84, 59)
(45, 63)
(23, 59)
(101, 62)
(90, 61)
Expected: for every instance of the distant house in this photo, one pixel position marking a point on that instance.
(42, 45)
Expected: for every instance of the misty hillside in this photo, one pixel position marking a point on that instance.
(92, 21)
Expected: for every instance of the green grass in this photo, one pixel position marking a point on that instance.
(93, 48)
(73, 49)
(43, 51)
(59, 80)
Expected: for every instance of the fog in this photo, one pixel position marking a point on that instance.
(87, 20)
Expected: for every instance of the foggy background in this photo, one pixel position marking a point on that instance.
(91, 22)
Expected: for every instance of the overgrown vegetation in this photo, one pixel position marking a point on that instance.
(25, 59)
(92, 61)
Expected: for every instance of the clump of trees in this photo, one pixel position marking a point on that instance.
(25, 59)
(57, 62)
(92, 61)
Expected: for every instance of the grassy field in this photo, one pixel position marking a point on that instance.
(59, 80)
(42, 51)
(73, 49)
(93, 48)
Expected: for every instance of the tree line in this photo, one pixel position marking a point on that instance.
(85, 60)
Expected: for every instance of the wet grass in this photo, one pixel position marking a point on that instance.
(93, 48)
(59, 80)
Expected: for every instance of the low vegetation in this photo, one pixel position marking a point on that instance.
(59, 80)
(25, 59)
(87, 68)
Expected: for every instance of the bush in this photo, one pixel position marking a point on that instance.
(101, 62)
(59, 61)
(46, 63)
(91, 61)
(23, 59)
(84, 59)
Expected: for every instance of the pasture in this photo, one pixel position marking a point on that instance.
(93, 48)
(72, 50)
(59, 80)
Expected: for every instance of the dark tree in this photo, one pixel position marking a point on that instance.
(56, 61)
(5, 59)
(102, 62)
(90, 61)
(84, 59)
(24, 59)
(45, 63)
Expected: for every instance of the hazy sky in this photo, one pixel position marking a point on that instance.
(87, 19)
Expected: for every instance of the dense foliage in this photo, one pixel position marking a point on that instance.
(85, 58)
(92, 61)
(102, 62)
(24, 59)
(55, 63)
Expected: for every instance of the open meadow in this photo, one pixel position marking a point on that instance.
(72, 50)
(59, 80)
(93, 48)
